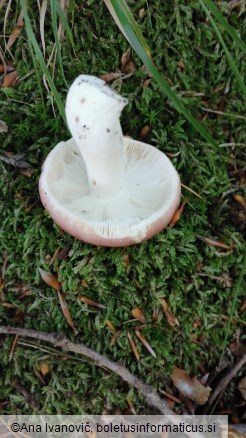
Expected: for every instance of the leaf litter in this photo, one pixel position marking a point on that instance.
(190, 388)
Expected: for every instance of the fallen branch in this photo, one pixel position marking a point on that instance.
(59, 340)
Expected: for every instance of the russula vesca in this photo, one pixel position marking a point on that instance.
(99, 186)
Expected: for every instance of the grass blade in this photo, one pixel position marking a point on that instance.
(227, 53)
(228, 28)
(135, 43)
(64, 21)
(55, 32)
(133, 23)
(40, 59)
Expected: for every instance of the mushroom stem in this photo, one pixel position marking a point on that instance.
(93, 112)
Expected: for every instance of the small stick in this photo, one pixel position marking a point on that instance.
(217, 392)
(59, 340)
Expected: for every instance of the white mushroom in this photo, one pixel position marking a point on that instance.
(99, 186)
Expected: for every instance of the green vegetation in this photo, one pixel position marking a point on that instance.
(197, 280)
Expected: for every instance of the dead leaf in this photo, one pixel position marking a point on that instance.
(3, 127)
(127, 64)
(16, 31)
(145, 342)
(15, 160)
(141, 13)
(242, 387)
(92, 303)
(155, 315)
(66, 312)
(110, 326)
(133, 346)
(44, 368)
(216, 243)
(170, 396)
(9, 79)
(129, 68)
(108, 77)
(131, 407)
(114, 337)
(40, 378)
(54, 257)
(181, 64)
(190, 388)
(240, 200)
(27, 172)
(144, 132)
(146, 83)
(13, 347)
(127, 263)
(171, 319)
(243, 307)
(63, 253)
(8, 305)
(138, 314)
(177, 215)
(84, 283)
(49, 279)
(125, 57)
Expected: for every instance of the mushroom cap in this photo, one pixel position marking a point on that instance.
(144, 206)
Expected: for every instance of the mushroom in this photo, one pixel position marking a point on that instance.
(99, 186)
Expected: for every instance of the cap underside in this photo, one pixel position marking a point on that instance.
(144, 206)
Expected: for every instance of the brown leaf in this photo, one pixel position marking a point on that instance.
(155, 315)
(16, 31)
(84, 283)
(129, 68)
(170, 396)
(242, 387)
(141, 13)
(44, 368)
(171, 319)
(133, 346)
(243, 307)
(138, 314)
(181, 64)
(114, 337)
(190, 388)
(131, 406)
(108, 77)
(49, 279)
(127, 263)
(63, 253)
(144, 132)
(145, 342)
(9, 79)
(13, 347)
(54, 257)
(240, 200)
(66, 312)
(8, 305)
(125, 57)
(110, 326)
(177, 215)
(92, 303)
(216, 243)
(146, 83)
